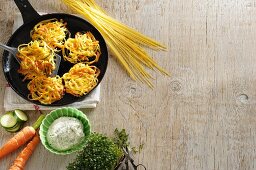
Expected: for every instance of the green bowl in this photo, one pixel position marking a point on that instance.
(64, 112)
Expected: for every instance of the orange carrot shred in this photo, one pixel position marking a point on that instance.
(21, 160)
(18, 140)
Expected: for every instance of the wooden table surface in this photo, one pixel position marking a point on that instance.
(201, 117)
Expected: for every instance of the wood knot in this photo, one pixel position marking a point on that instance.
(243, 98)
(175, 86)
(131, 91)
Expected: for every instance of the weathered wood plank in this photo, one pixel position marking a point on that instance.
(203, 115)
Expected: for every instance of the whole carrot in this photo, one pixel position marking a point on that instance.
(20, 138)
(25, 154)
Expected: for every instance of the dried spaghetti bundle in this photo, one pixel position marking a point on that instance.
(124, 42)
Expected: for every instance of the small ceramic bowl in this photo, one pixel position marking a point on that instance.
(64, 112)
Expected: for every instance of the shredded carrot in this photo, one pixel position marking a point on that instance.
(46, 89)
(18, 140)
(25, 154)
(37, 59)
(81, 79)
(52, 31)
(83, 48)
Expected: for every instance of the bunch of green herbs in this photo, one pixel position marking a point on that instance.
(102, 152)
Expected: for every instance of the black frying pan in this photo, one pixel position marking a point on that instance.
(22, 35)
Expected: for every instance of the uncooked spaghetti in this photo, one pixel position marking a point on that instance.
(124, 42)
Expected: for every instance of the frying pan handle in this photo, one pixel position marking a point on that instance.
(27, 11)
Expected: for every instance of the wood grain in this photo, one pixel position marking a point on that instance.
(201, 117)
